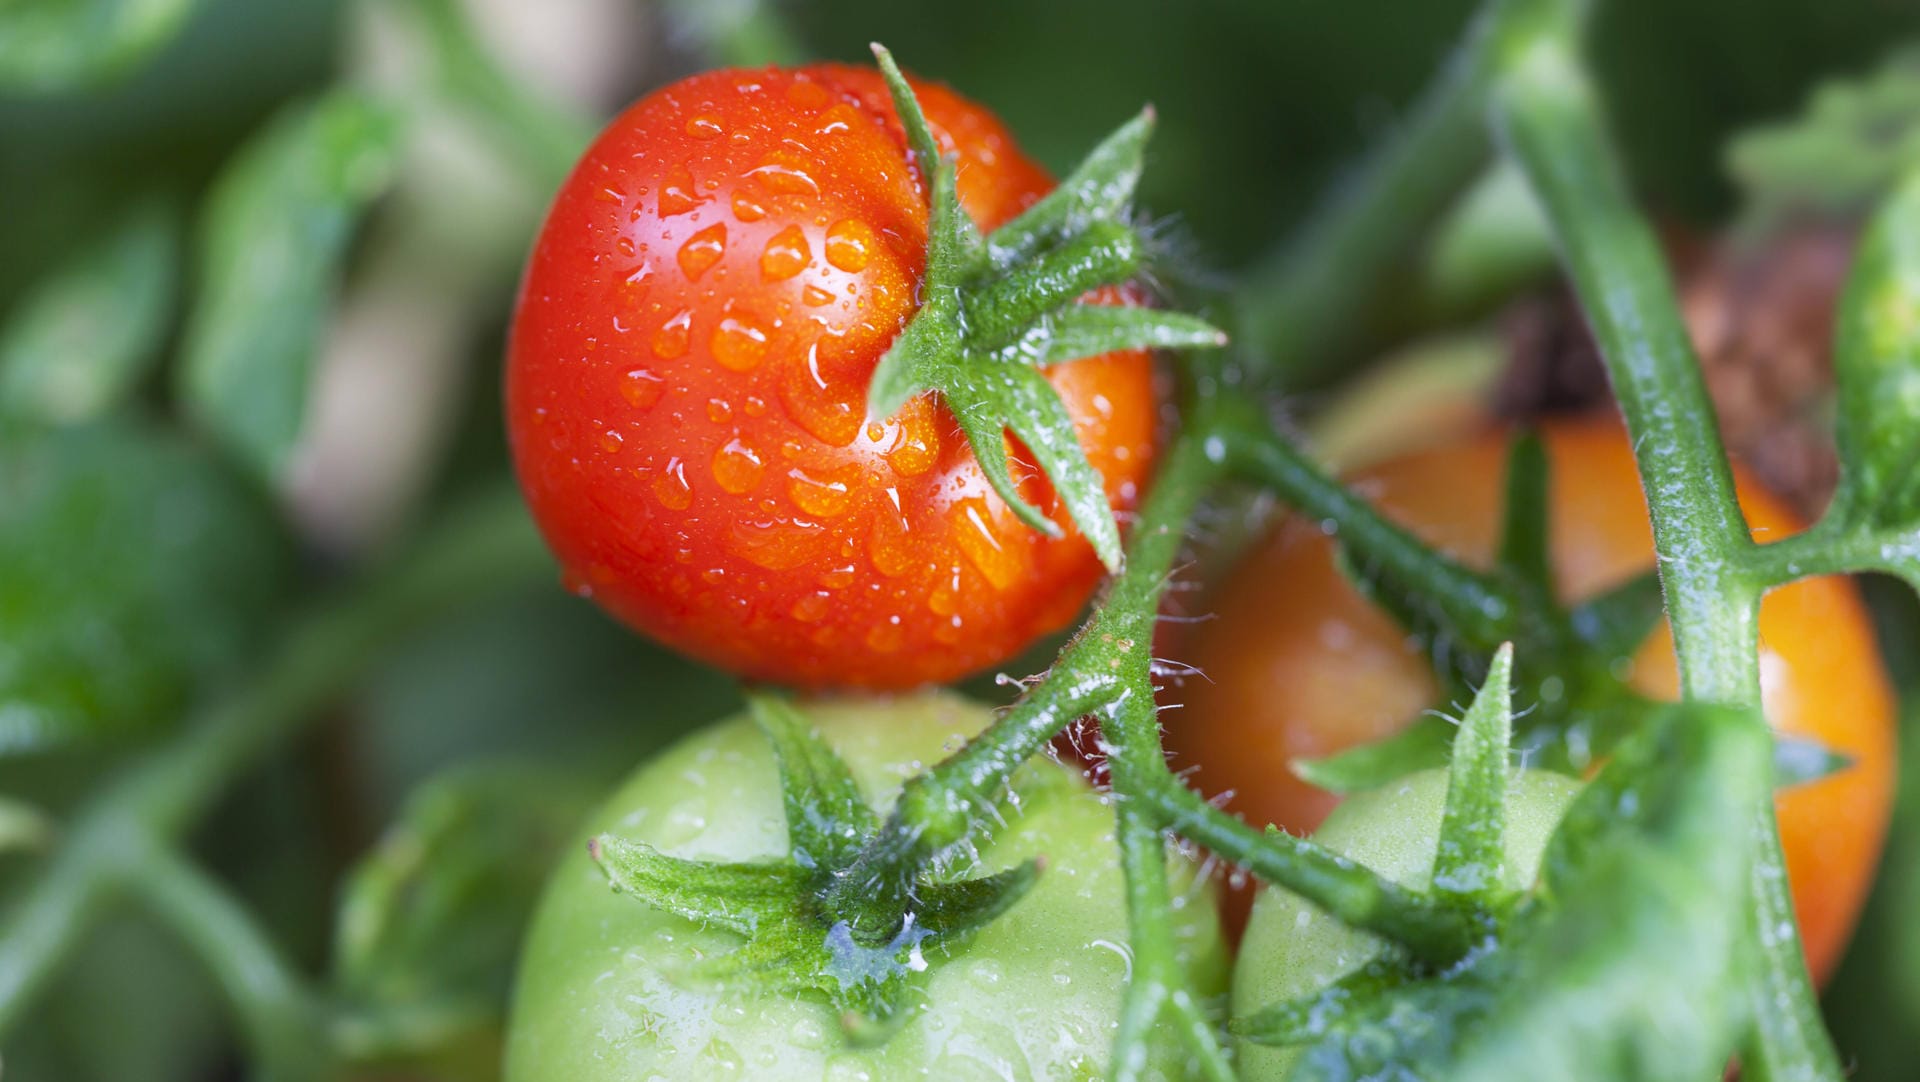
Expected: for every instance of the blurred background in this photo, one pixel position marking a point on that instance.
(346, 189)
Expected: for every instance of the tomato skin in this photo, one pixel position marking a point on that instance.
(1034, 994)
(1337, 672)
(686, 391)
(1293, 949)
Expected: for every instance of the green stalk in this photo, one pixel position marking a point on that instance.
(1550, 121)
(282, 1020)
(1299, 309)
(476, 553)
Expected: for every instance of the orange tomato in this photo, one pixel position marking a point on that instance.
(1300, 665)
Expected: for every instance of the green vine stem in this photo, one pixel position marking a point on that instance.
(282, 1020)
(478, 551)
(1298, 310)
(1550, 122)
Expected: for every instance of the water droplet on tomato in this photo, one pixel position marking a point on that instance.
(671, 339)
(746, 208)
(812, 607)
(886, 636)
(849, 244)
(705, 126)
(837, 120)
(737, 466)
(919, 440)
(815, 297)
(610, 441)
(642, 388)
(703, 250)
(888, 545)
(807, 94)
(738, 344)
(718, 410)
(786, 255)
(755, 405)
(624, 244)
(785, 178)
(824, 407)
(670, 487)
(677, 192)
(820, 493)
(973, 531)
(838, 578)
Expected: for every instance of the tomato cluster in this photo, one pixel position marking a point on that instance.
(687, 384)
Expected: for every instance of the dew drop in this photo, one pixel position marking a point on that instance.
(738, 344)
(825, 495)
(785, 178)
(888, 545)
(642, 388)
(919, 445)
(973, 531)
(624, 245)
(812, 607)
(849, 244)
(755, 406)
(807, 94)
(703, 250)
(746, 209)
(786, 255)
(718, 410)
(825, 407)
(837, 120)
(610, 441)
(815, 297)
(886, 637)
(677, 192)
(670, 487)
(838, 578)
(671, 339)
(705, 126)
(737, 466)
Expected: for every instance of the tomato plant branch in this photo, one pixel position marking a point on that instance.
(1479, 608)
(281, 1017)
(477, 551)
(1549, 119)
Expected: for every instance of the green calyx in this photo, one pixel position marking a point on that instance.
(995, 309)
(793, 937)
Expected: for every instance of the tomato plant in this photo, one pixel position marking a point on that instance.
(816, 377)
(1339, 672)
(687, 390)
(614, 988)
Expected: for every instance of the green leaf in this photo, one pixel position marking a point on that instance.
(275, 235)
(1524, 528)
(1420, 746)
(827, 818)
(1357, 999)
(1468, 864)
(738, 897)
(1100, 187)
(86, 336)
(1877, 368)
(956, 907)
(135, 572)
(1091, 330)
(56, 46)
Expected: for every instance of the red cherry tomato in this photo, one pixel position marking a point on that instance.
(1300, 665)
(686, 390)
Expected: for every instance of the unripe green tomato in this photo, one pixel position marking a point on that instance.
(605, 990)
(1293, 949)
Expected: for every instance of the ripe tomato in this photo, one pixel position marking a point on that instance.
(1332, 671)
(1293, 949)
(604, 991)
(686, 390)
